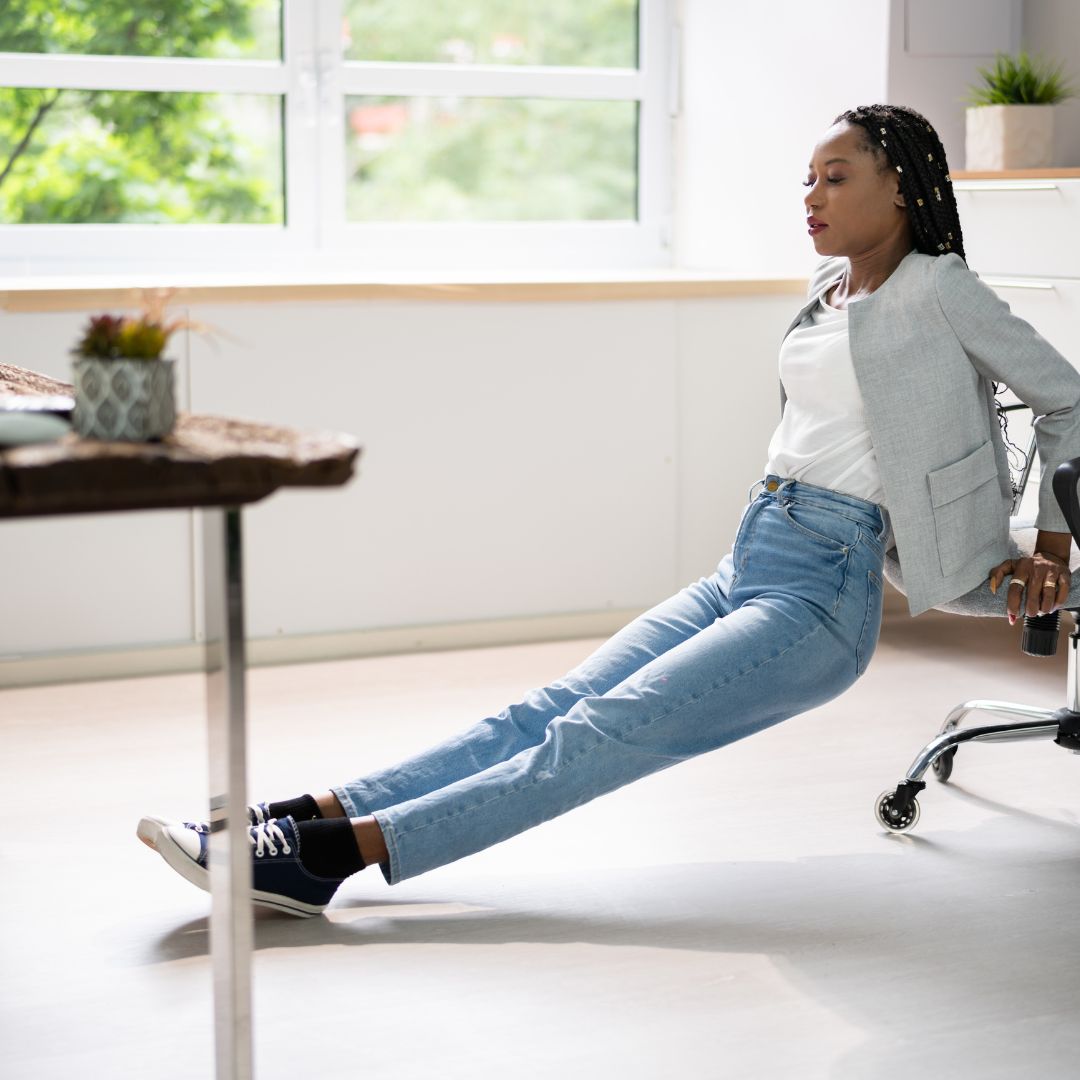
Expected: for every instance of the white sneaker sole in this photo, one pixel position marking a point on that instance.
(187, 868)
(150, 829)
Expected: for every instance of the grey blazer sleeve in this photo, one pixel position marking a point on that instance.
(1004, 347)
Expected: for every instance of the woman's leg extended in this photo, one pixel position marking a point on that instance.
(769, 659)
(523, 724)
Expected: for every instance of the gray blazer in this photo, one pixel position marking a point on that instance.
(925, 346)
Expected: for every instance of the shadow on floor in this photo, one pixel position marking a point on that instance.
(979, 922)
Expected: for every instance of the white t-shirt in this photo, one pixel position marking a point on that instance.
(822, 437)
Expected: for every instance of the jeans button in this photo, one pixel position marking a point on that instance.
(772, 485)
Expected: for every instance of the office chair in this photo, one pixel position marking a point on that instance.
(898, 810)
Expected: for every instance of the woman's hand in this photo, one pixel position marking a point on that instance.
(1045, 579)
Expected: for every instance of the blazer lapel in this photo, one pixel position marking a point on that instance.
(866, 362)
(855, 338)
(812, 302)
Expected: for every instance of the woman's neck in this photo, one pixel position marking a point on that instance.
(867, 272)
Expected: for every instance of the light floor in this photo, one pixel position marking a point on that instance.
(740, 915)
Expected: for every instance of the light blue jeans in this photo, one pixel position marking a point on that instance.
(788, 621)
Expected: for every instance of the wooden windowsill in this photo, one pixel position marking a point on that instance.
(50, 294)
(1056, 172)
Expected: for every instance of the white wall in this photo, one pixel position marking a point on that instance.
(761, 83)
(1052, 28)
(520, 460)
(935, 51)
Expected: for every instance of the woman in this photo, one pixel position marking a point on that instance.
(791, 616)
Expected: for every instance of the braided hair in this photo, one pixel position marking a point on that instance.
(901, 138)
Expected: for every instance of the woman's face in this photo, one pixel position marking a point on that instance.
(862, 209)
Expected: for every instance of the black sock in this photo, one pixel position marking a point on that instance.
(328, 847)
(302, 808)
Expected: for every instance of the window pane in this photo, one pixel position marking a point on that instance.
(595, 33)
(74, 156)
(236, 29)
(490, 159)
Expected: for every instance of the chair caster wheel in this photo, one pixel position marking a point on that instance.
(943, 765)
(893, 815)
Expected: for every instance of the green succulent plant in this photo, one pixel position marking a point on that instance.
(1020, 80)
(142, 337)
(99, 336)
(109, 337)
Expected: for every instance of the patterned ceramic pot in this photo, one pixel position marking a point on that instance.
(126, 399)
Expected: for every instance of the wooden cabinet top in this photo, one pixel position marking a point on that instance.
(1057, 172)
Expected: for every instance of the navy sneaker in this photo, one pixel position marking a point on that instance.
(279, 879)
(150, 827)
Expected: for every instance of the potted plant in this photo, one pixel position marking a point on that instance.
(124, 388)
(1010, 118)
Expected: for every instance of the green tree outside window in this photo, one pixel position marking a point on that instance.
(75, 156)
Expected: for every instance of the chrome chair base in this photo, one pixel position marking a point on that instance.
(898, 810)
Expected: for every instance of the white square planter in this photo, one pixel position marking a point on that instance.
(1009, 137)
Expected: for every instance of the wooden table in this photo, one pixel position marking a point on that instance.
(219, 464)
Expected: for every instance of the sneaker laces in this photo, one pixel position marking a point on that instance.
(267, 832)
(255, 811)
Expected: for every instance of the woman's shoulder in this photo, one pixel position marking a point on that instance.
(956, 283)
(948, 272)
(920, 275)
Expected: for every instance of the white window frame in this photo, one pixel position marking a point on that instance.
(314, 79)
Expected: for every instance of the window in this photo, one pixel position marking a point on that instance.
(335, 134)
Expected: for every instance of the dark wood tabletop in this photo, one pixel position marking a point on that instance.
(203, 461)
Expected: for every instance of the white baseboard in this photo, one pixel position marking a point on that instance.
(88, 665)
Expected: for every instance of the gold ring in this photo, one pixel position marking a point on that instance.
(1016, 581)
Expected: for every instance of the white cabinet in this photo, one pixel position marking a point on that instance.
(1024, 227)
(1022, 237)
(1051, 305)
(82, 583)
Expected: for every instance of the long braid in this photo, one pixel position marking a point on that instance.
(900, 137)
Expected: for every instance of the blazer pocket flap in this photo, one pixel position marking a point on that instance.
(951, 481)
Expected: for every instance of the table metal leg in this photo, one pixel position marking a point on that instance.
(231, 928)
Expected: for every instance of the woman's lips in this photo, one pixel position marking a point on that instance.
(814, 229)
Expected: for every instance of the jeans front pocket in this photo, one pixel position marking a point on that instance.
(871, 627)
(833, 531)
(777, 555)
(872, 540)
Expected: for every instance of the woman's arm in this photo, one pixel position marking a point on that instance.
(1054, 543)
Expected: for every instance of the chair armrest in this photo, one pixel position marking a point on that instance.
(1066, 477)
